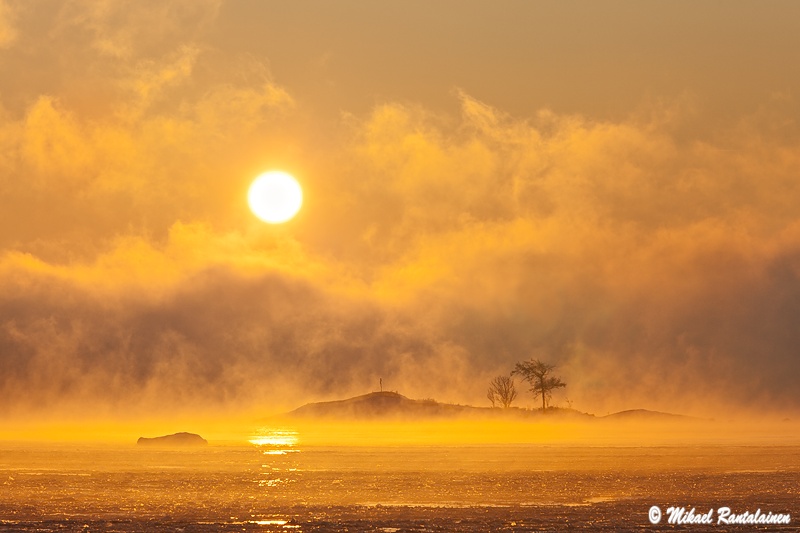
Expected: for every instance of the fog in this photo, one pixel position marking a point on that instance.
(650, 253)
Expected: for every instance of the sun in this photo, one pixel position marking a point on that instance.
(275, 197)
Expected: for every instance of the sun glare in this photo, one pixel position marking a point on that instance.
(275, 197)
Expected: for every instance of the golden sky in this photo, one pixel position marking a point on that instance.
(613, 187)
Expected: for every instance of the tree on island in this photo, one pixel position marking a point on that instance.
(502, 390)
(492, 397)
(538, 375)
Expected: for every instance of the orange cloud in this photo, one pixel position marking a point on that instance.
(654, 260)
(8, 32)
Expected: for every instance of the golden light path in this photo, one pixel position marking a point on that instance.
(275, 442)
(275, 197)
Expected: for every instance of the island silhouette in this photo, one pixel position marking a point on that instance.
(176, 439)
(393, 405)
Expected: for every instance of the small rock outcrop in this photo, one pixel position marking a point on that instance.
(176, 439)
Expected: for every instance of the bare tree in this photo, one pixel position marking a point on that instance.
(502, 389)
(538, 375)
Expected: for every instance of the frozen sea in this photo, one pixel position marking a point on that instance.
(275, 484)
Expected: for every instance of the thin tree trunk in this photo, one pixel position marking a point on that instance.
(541, 381)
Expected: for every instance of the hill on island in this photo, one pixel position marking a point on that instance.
(635, 415)
(176, 439)
(392, 405)
(382, 405)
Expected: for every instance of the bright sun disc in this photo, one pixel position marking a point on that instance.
(275, 197)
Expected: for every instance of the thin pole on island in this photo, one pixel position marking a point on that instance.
(381, 380)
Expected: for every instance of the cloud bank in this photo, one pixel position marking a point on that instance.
(654, 260)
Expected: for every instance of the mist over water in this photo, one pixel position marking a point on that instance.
(612, 191)
(388, 477)
(467, 214)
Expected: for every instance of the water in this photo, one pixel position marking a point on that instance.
(278, 485)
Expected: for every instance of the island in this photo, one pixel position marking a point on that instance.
(176, 439)
(387, 405)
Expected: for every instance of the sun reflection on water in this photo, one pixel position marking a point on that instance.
(284, 524)
(275, 437)
(275, 441)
